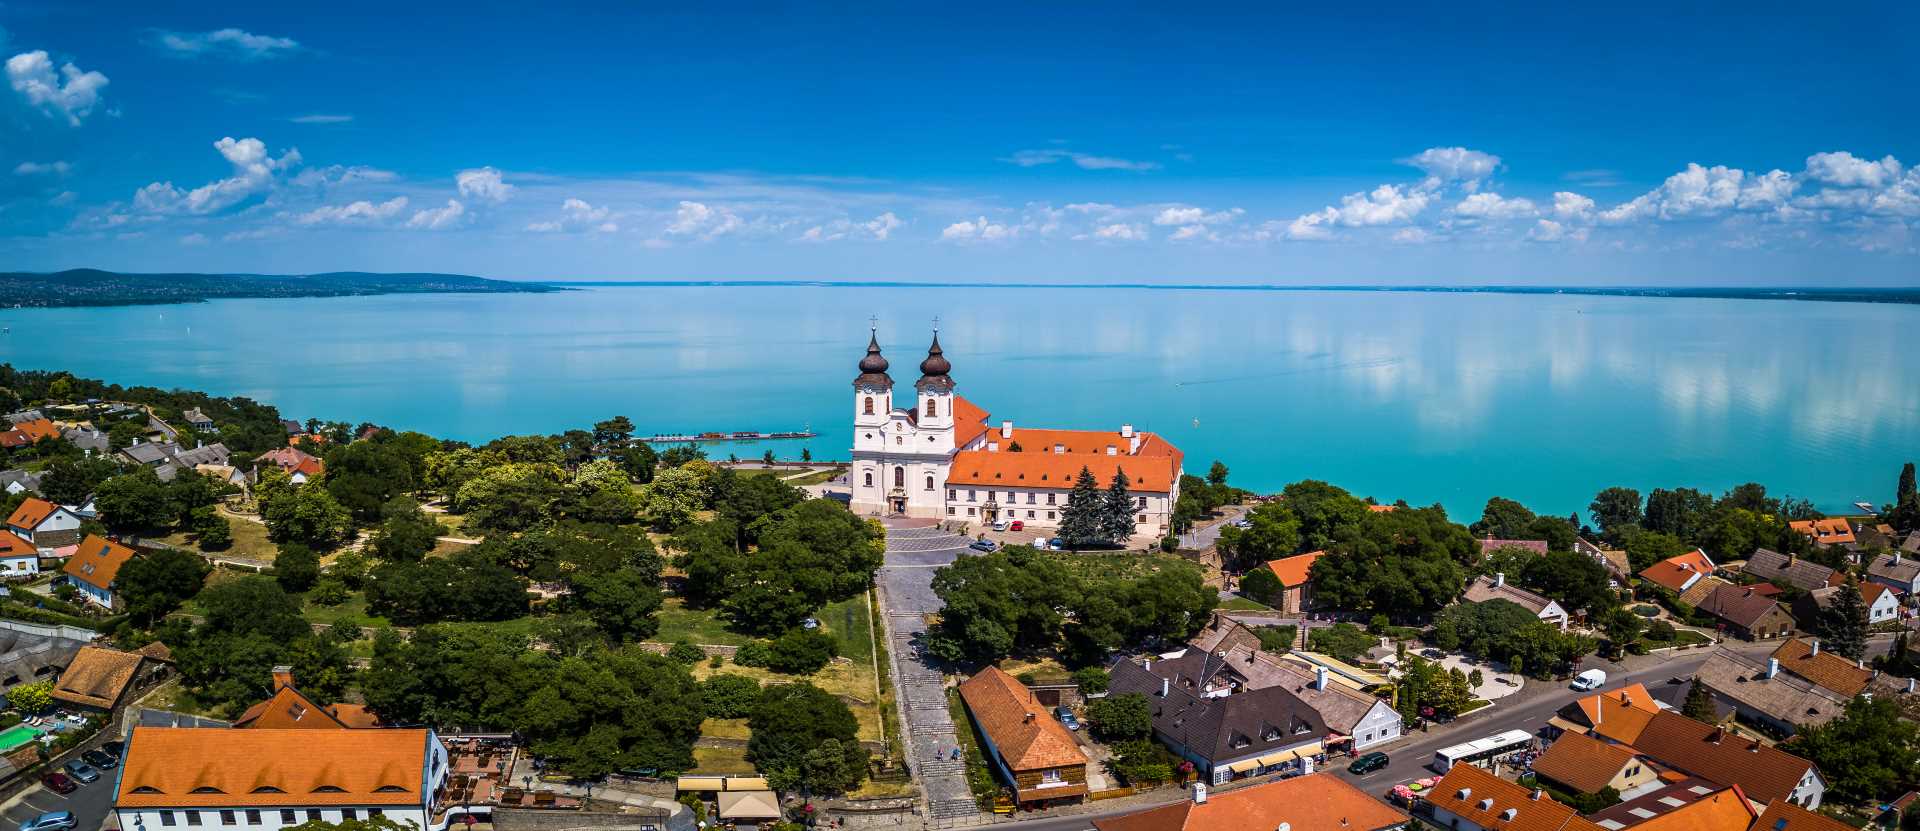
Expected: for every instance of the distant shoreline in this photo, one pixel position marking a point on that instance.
(80, 288)
(1835, 295)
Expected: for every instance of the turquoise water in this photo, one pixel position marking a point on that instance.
(1446, 398)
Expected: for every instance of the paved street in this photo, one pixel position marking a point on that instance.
(1204, 536)
(914, 551)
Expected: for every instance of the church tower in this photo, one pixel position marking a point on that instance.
(933, 406)
(873, 390)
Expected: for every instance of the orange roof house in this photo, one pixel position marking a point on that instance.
(1481, 801)
(1711, 753)
(1317, 802)
(1726, 809)
(1678, 572)
(28, 432)
(170, 767)
(1782, 815)
(1825, 531)
(1632, 696)
(1588, 765)
(1806, 659)
(290, 709)
(12, 546)
(1294, 571)
(32, 511)
(97, 562)
(97, 677)
(1026, 745)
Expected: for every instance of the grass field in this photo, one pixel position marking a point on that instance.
(679, 623)
(1244, 604)
(249, 541)
(852, 678)
(721, 760)
(353, 613)
(1097, 565)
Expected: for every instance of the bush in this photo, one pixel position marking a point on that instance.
(1169, 543)
(801, 651)
(686, 653)
(1341, 640)
(329, 591)
(729, 696)
(1142, 761)
(1278, 639)
(1379, 625)
(1120, 717)
(754, 654)
(1660, 630)
(1263, 585)
(296, 567)
(1092, 680)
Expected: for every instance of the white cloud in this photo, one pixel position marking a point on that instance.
(1121, 232)
(1085, 161)
(1547, 230)
(484, 184)
(1455, 164)
(254, 173)
(1384, 205)
(1412, 236)
(65, 197)
(32, 75)
(696, 219)
(1569, 205)
(877, 228)
(1194, 232)
(978, 229)
(439, 219)
(321, 118)
(576, 215)
(1190, 215)
(361, 211)
(1494, 206)
(56, 168)
(234, 43)
(1705, 191)
(1849, 171)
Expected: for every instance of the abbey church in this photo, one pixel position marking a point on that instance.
(937, 455)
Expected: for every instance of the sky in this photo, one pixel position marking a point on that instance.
(1718, 144)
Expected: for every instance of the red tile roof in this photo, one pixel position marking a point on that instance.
(98, 561)
(1034, 468)
(1582, 762)
(1020, 726)
(191, 766)
(31, 513)
(1712, 753)
(1723, 810)
(97, 677)
(13, 546)
(1293, 571)
(1677, 573)
(1480, 788)
(1825, 531)
(1782, 815)
(1825, 668)
(1320, 802)
(969, 421)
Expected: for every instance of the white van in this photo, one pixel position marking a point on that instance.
(1589, 680)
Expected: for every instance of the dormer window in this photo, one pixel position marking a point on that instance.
(267, 789)
(329, 789)
(207, 789)
(1239, 740)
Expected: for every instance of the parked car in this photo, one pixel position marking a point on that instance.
(1591, 679)
(1056, 544)
(100, 759)
(983, 545)
(116, 747)
(1001, 525)
(1243, 523)
(1017, 526)
(51, 821)
(58, 782)
(1066, 717)
(82, 772)
(1368, 763)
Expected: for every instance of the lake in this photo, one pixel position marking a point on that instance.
(1447, 398)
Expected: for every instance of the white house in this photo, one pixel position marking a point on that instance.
(1883, 602)
(1484, 588)
(265, 780)
(46, 525)
(93, 568)
(18, 558)
(938, 457)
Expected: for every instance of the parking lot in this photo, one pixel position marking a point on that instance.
(90, 804)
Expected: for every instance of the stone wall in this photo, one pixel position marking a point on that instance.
(642, 819)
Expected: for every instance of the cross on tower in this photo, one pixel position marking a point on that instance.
(936, 324)
(873, 323)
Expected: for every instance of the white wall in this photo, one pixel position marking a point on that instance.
(150, 819)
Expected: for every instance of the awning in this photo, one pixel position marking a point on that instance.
(1272, 759)
(702, 783)
(1243, 767)
(1566, 725)
(747, 783)
(749, 805)
(1314, 749)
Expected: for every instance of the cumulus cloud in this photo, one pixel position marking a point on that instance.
(695, 219)
(878, 228)
(254, 173)
(72, 94)
(1412, 236)
(439, 219)
(978, 229)
(1547, 230)
(577, 215)
(1085, 161)
(362, 211)
(1849, 171)
(1455, 164)
(1190, 215)
(1701, 191)
(484, 184)
(1570, 205)
(230, 43)
(1121, 232)
(1494, 206)
(1384, 205)
(55, 168)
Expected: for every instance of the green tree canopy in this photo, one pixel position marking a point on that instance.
(1869, 754)
(1080, 524)
(156, 583)
(791, 727)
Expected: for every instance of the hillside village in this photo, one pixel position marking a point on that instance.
(585, 626)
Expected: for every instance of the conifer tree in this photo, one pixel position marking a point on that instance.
(1699, 705)
(1843, 623)
(1116, 515)
(1080, 522)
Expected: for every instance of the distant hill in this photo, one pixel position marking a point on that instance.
(93, 287)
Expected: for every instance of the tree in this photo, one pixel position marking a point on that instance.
(1080, 524)
(406, 534)
(623, 601)
(1092, 680)
(307, 515)
(1341, 640)
(1503, 518)
(211, 530)
(154, 584)
(1615, 510)
(1905, 515)
(511, 497)
(1699, 705)
(69, 481)
(801, 651)
(364, 475)
(1843, 622)
(816, 553)
(1273, 532)
(1868, 754)
(1000, 604)
(710, 557)
(136, 502)
(1644, 548)
(1404, 562)
(1575, 580)
(1263, 585)
(1326, 513)
(1116, 514)
(673, 497)
(1120, 717)
(727, 695)
(1217, 474)
(32, 697)
(803, 736)
(124, 433)
(296, 567)
(1501, 630)
(614, 432)
(598, 713)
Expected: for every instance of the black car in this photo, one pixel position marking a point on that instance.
(100, 759)
(116, 747)
(1368, 763)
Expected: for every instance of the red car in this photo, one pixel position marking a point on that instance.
(1017, 526)
(58, 783)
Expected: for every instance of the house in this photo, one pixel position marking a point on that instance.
(184, 777)
(299, 465)
(30, 652)
(149, 453)
(1710, 752)
(1882, 601)
(1824, 531)
(1321, 802)
(94, 442)
(1344, 696)
(93, 568)
(1786, 816)
(1747, 614)
(1469, 798)
(1676, 573)
(206, 454)
(1484, 588)
(1613, 560)
(1026, 746)
(1761, 693)
(223, 473)
(197, 420)
(46, 525)
(292, 427)
(1647, 805)
(27, 433)
(20, 481)
(1697, 593)
(1582, 764)
(1725, 809)
(1900, 569)
(24, 416)
(1296, 576)
(1791, 570)
(98, 679)
(1593, 710)
(1226, 735)
(1488, 545)
(1835, 673)
(19, 558)
(290, 709)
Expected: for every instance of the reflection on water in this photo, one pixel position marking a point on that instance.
(1426, 397)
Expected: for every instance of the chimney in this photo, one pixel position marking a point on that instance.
(1164, 685)
(1909, 685)
(1536, 794)
(1028, 719)
(1486, 803)
(1816, 645)
(1133, 445)
(1319, 678)
(1285, 826)
(1773, 667)
(1499, 579)
(1006, 429)
(1717, 734)
(1462, 794)
(993, 447)
(1896, 557)
(1199, 793)
(1059, 449)
(282, 676)
(1126, 431)
(1508, 814)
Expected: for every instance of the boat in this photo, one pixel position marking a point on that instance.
(1866, 507)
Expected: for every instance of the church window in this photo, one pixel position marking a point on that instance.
(929, 483)
(930, 407)
(869, 478)
(869, 405)
(899, 477)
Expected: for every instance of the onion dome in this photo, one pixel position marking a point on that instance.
(873, 367)
(933, 370)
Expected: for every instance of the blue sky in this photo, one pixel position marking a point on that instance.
(1752, 144)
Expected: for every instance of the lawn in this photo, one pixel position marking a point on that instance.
(679, 623)
(352, 613)
(719, 760)
(1681, 637)
(1101, 565)
(1238, 603)
(852, 677)
(249, 541)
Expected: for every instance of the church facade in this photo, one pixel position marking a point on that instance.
(931, 453)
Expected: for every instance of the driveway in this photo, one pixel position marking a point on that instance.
(1203, 537)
